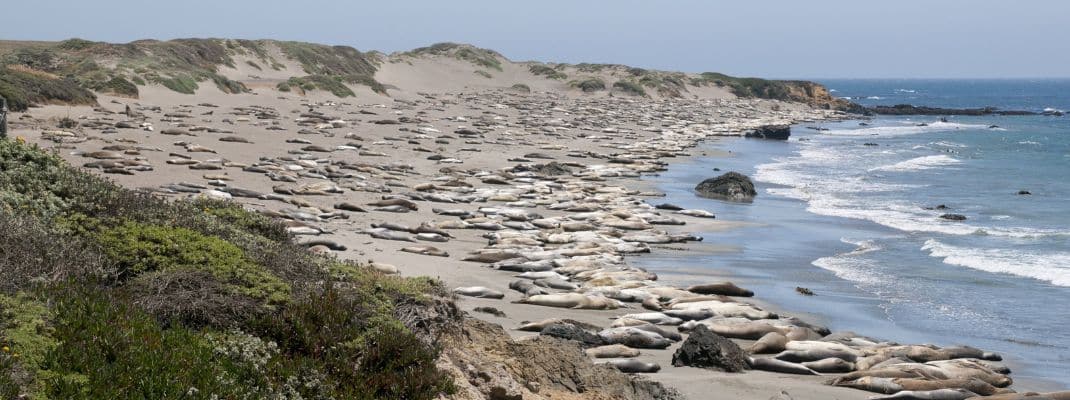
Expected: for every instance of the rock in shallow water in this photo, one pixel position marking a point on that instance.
(732, 186)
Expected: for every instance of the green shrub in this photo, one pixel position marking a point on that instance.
(520, 87)
(109, 293)
(483, 73)
(120, 86)
(629, 87)
(551, 73)
(337, 330)
(25, 339)
(109, 350)
(23, 89)
(254, 65)
(182, 84)
(138, 248)
(228, 86)
(589, 84)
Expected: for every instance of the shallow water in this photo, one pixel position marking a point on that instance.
(843, 212)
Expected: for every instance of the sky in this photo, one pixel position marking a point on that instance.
(764, 38)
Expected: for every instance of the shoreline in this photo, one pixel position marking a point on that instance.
(692, 382)
(832, 317)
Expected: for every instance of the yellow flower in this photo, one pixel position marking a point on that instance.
(20, 139)
(6, 349)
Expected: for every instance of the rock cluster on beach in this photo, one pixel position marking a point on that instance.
(526, 203)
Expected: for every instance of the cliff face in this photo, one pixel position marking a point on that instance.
(818, 95)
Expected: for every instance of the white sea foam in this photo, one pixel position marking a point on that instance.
(919, 164)
(906, 91)
(1029, 142)
(901, 130)
(835, 182)
(851, 267)
(945, 143)
(1052, 267)
(875, 98)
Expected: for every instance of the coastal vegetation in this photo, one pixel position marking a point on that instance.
(548, 72)
(629, 87)
(68, 72)
(589, 84)
(196, 298)
(480, 57)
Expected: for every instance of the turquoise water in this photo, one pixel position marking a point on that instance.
(848, 213)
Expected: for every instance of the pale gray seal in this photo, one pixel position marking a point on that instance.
(774, 365)
(479, 291)
(612, 351)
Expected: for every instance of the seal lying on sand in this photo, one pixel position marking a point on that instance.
(634, 366)
(774, 365)
(572, 300)
(940, 394)
(722, 288)
(612, 351)
(479, 291)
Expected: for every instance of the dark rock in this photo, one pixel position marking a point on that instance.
(732, 186)
(705, 349)
(573, 332)
(870, 144)
(953, 217)
(939, 207)
(775, 132)
(907, 109)
(804, 291)
(1024, 192)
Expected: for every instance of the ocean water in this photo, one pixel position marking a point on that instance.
(852, 212)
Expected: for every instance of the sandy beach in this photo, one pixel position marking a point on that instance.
(467, 158)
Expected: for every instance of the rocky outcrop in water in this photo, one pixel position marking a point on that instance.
(774, 132)
(907, 109)
(732, 186)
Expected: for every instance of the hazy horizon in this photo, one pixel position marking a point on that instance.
(834, 39)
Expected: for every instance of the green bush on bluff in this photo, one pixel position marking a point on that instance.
(109, 293)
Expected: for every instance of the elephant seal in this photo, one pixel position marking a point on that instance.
(939, 394)
(612, 351)
(571, 300)
(625, 321)
(656, 318)
(652, 304)
(828, 365)
(774, 365)
(479, 291)
(395, 202)
(1064, 395)
(674, 336)
(799, 356)
(349, 207)
(527, 287)
(383, 268)
(772, 342)
(722, 288)
(538, 326)
(390, 235)
(634, 366)
(633, 337)
(426, 250)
